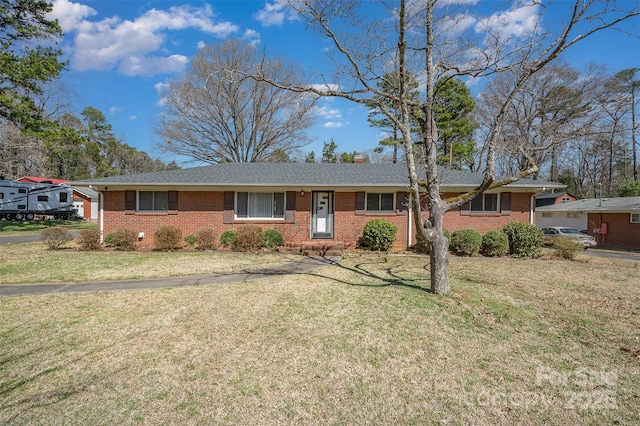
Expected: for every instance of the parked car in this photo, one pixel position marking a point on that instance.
(550, 234)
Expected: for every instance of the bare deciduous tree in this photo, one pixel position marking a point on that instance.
(215, 114)
(433, 39)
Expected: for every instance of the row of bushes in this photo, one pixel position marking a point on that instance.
(518, 239)
(246, 238)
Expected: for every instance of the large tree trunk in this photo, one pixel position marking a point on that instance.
(439, 254)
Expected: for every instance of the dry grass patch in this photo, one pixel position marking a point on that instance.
(519, 342)
(34, 263)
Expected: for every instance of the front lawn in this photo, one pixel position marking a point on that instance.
(34, 263)
(362, 342)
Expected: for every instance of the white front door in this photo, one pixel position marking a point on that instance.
(322, 215)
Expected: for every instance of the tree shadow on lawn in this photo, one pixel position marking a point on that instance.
(391, 275)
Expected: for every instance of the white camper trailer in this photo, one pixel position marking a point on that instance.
(22, 200)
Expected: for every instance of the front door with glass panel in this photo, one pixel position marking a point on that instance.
(322, 215)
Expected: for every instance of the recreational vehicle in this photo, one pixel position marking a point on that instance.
(22, 200)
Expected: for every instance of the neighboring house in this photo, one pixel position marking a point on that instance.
(85, 200)
(306, 202)
(549, 198)
(614, 222)
(556, 216)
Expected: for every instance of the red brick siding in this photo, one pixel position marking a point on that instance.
(201, 209)
(621, 233)
(485, 222)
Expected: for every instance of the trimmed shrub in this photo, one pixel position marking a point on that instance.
(248, 238)
(89, 239)
(566, 248)
(191, 240)
(55, 237)
(379, 235)
(525, 239)
(123, 239)
(272, 239)
(466, 242)
(167, 237)
(109, 239)
(495, 243)
(228, 238)
(206, 239)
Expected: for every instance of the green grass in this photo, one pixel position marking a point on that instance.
(361, 342)
(33, 227)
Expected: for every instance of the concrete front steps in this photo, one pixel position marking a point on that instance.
(324, 248)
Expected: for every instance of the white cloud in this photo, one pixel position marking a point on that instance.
(132, 117)
(70, 15)
(162, 89)
(134, 46)
(274, 14)
(114, 109)
(333, 124)
(328, 113)
(517, 22)
(252, 36)
(452, 25)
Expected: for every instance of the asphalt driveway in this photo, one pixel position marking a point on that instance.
(299, 266)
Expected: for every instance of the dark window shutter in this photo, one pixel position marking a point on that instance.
(290, 209)
(129, 201)
(401, 202)
(505, 201)
(227, 216)
(360, 198)
(172, 205)
(465, 209)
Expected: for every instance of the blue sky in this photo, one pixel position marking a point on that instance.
(123, 52)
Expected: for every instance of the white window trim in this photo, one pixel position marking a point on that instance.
(254, 219)
(637, 217)
(366, 202)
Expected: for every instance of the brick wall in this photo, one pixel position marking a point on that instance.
(485, 222)
(205, 209)
(621, 233)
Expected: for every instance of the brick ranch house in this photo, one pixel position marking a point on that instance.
(321, 202)
(614, 222)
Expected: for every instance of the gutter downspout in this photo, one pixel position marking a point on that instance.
(532, 207)
(101, 207)
(409, 224)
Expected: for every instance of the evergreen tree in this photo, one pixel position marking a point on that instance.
(453, 107)
(390, 84)
(329, 154)
(24, 64)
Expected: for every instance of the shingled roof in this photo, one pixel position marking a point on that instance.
(297, 174)
(595, 205)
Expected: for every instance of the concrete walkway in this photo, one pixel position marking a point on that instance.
(304, 264)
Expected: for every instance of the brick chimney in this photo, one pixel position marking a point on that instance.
(358, 158)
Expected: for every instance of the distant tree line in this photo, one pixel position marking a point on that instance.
(71, 147)
(579, 127)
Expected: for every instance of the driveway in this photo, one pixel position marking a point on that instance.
(32, 238)
(613, 254)
(299, 266)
